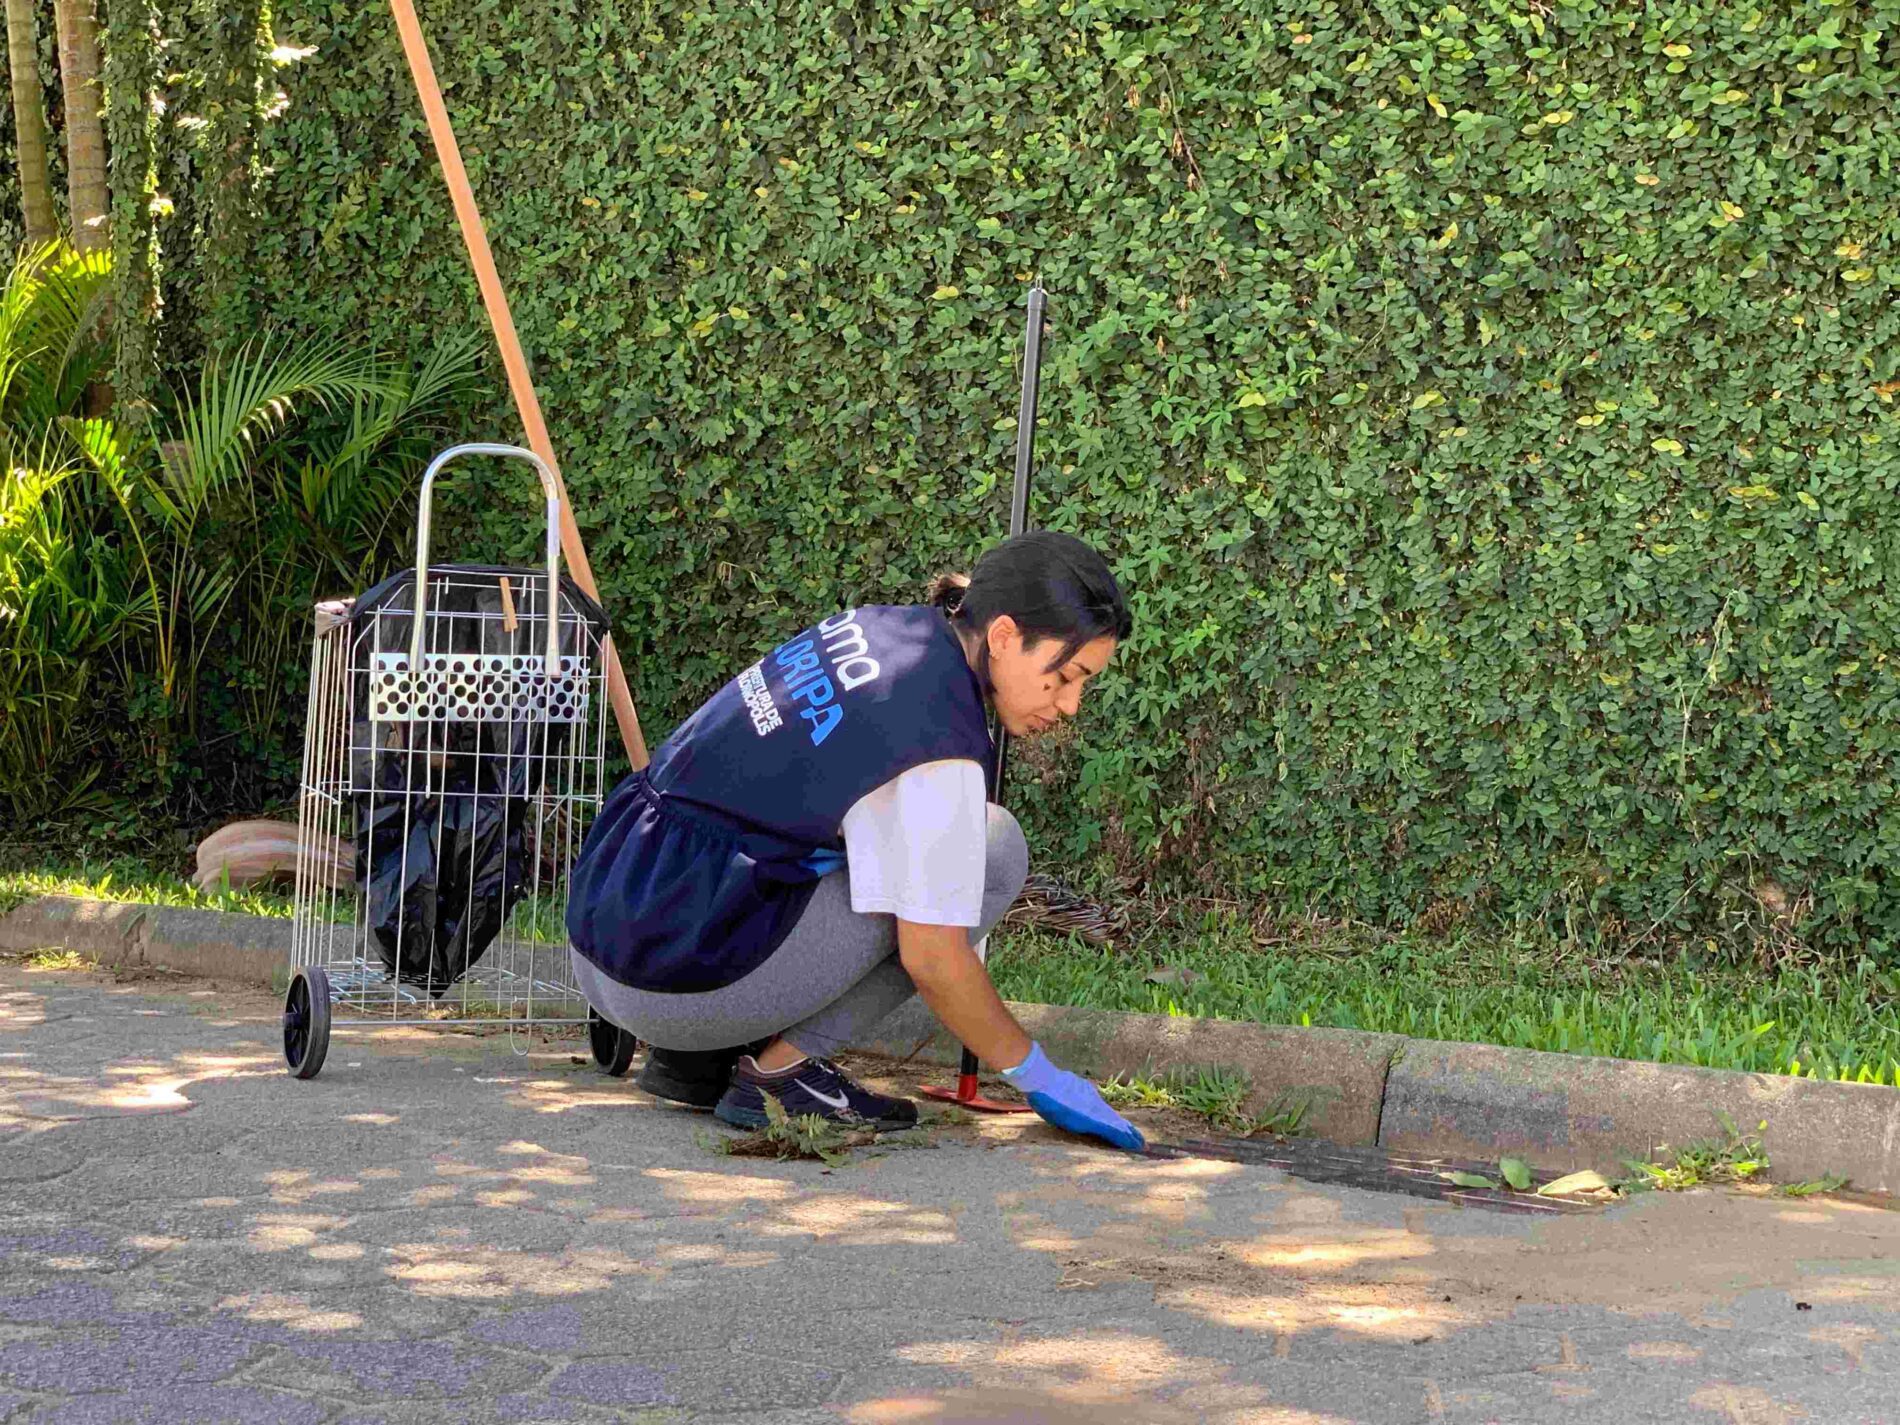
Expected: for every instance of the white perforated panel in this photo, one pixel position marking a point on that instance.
(477, 687)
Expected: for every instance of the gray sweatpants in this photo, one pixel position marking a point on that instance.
(828, 983)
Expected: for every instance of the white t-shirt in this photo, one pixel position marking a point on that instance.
(917, 845)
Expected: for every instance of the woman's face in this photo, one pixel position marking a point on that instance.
(1032, 692)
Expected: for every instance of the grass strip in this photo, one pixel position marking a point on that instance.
(1832, 1022)
(133, 881)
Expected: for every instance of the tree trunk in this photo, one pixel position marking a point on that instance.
(29, 125)
(85, 129)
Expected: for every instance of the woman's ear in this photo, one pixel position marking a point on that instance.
(1003, 635)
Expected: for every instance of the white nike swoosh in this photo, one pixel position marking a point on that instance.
(839, 1102)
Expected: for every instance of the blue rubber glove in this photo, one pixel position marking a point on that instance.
(1070, 1101)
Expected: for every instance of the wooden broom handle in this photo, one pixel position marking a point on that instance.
(469, 217)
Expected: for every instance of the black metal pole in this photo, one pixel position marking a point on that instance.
(1018, 522)
(1025, 459)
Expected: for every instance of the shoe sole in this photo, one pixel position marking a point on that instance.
(739, 1117)
(681, 1095)
(755, 1118)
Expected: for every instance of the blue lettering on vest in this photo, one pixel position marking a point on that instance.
(822, 719)
(801, 667)
(817, 692)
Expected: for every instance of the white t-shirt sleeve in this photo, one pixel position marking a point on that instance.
(916, 846)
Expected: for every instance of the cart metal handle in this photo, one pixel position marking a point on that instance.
(548, 488)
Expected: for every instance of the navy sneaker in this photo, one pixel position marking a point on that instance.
(811, 1086)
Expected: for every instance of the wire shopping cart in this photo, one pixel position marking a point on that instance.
(453, 760)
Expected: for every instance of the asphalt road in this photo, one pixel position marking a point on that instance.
(441, 1228)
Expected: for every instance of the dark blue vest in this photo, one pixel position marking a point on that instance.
(697, 867)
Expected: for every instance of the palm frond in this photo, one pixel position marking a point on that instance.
(52, 341)
(241, 401)
(123, 460)
(206, 587)
(354, 474)
(447, 372)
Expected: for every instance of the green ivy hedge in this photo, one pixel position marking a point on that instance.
(1490, 408)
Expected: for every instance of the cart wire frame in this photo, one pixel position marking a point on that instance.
(540, 729)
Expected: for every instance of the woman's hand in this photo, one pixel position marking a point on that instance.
(1070, 1101)
(957, 987)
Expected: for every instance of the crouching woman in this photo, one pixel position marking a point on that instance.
(815, 845)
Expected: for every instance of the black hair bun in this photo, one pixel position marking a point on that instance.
(947, 591)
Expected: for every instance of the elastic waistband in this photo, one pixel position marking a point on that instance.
(688, 816)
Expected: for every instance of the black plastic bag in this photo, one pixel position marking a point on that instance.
(440, 870)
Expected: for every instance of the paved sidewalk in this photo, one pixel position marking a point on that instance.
(438, 1229)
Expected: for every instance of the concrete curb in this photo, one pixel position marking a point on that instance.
(1558, 1111)
(211, 943)
(1573, 1111)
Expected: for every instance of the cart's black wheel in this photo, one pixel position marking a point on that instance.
(307, 1022)
(613, 1046)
